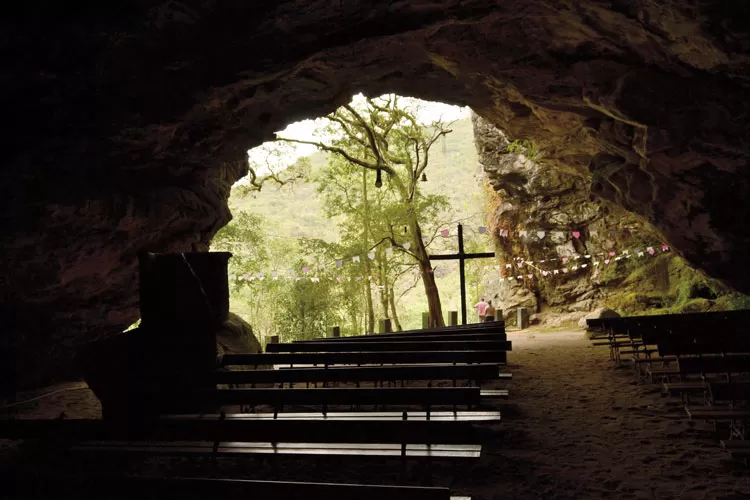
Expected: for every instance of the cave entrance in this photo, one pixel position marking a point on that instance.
(322, 237)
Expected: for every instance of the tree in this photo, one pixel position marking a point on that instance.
(384, 136)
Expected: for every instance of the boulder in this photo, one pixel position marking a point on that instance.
(602, 312)
(236, 336)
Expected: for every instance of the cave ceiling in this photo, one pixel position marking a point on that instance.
(126, 128)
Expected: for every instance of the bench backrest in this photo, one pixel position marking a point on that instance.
(223, 430)
(429, 345)
(365, 358)
(359, 374)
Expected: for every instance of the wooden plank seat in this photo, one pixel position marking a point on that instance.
(687, 366)
(418, 396)
(495, 336)
(449, 416)
(685, 387)
(224, 449)
(475, 372)
(735, 444)
(495, 393)
(432, 345)
(717, 413)
(168, 429)
(365, 358)
(735, 392)
(175, 488)
(479, 329)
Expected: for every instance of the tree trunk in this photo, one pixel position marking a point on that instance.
(428, 278)
(394, 315)
(383, 281)
(366, 224)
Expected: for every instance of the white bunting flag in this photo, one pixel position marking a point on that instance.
(371, 255)
(355, 258)
(508, 266)
(407, 245)
(555, 272)
(522, 233)
(540, 234)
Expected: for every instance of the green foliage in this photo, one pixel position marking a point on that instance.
(286, 226)
(523, 147)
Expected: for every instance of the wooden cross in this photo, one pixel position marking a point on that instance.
(462, 257)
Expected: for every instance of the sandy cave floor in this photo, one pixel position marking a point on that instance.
(576, 427)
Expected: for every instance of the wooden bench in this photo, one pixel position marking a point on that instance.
(739, 448)
(222, 429)
(476, 372)
(425, 397)
(365, 358)
(405, 439)
(149, 488)
(403, 346)
(410, 338)
(450, 416)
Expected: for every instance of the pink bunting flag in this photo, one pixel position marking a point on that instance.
(565, 269)
(651, 250)
(530, 276)
(612, 253)
(664, 247)
(565, 259)
(445, 233)
(306, 269)
(606, 261)
(576, 234)
(503, 233)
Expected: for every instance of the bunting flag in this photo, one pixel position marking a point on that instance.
(576, 234)
(389, 251)
(482, 230)
(407, 245)
(540, 234)
(515, 266)
(445, 233)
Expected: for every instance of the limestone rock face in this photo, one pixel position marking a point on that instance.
(549, 204)
(127, 127)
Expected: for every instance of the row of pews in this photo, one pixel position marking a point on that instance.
(404, 397)
(704, 358)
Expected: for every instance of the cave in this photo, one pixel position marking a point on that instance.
(128, 125)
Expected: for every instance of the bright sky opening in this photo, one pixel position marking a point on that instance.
(304, 130)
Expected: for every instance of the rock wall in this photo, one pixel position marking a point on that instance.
(545, 201)
(127, 124)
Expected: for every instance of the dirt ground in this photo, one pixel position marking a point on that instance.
(575, 427)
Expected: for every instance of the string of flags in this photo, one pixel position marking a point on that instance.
(446, 233)
(516, 269)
